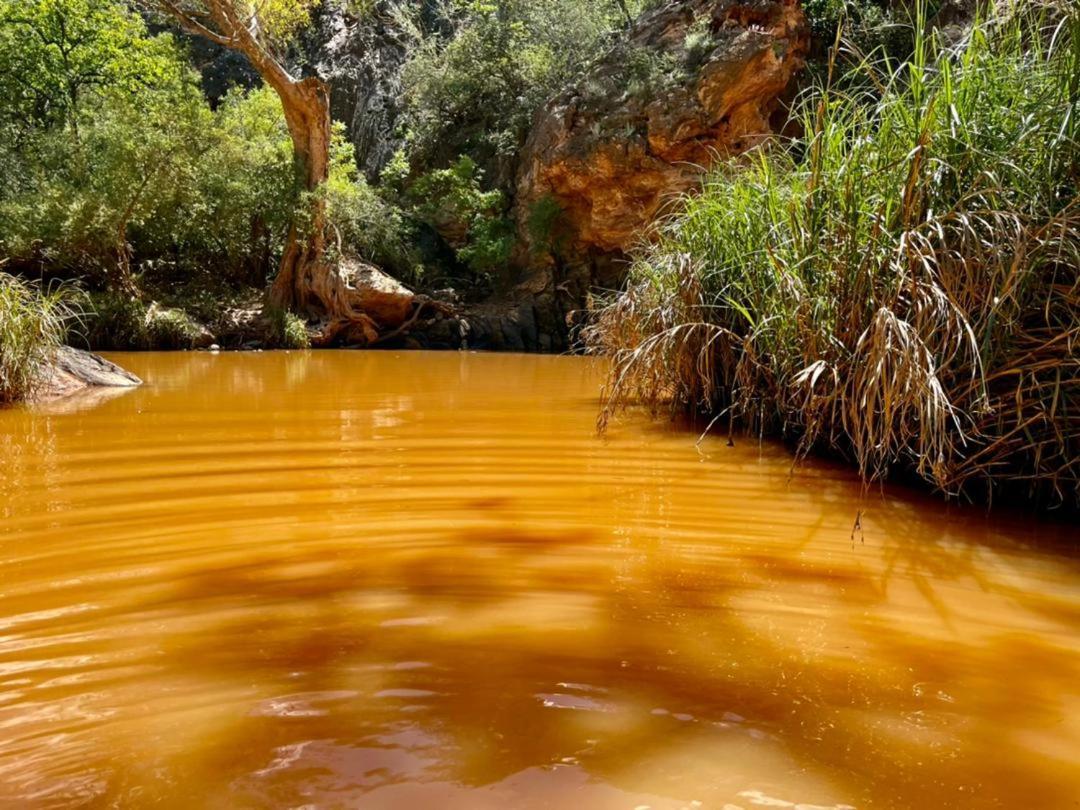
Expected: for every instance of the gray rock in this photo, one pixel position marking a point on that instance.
(362, 57)
(77, 374)
(92, 369)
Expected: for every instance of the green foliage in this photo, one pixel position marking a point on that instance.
(115, 322)
(902, 284)
(124, 146)
(453, 196)
(825, 17)
(491, 242)
(543, 222)
(476, 90)
(865, 26)
(171, 329)
(33, 323)
(286, 330)
(453, 202)
(132, 163)
(649, 72)
(54, 52)
(272, 23)
(244, 195)
(699, 40)
(135, 164)
(365, 224)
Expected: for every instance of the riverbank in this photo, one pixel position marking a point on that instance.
(530, 316)
(899, 287)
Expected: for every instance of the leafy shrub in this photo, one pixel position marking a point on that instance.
(125, 165)
(543, 223)
(243, 198)
(365, 224)
(171, 329)
(866, 26)
(286, 330)
(106, 123)
(699, 40)
(650, 72)
(476, 88)
(115, 322)
(453, 202)
(491, 241)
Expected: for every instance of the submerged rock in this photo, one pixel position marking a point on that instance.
(693, 82)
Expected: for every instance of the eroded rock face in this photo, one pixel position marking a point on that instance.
(361, 58)
(695, 81)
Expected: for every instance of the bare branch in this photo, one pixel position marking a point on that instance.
(187, 20)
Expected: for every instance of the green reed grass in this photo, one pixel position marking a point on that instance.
(33, 323)
(901, 285)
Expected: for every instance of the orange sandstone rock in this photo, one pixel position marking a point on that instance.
(694, 82)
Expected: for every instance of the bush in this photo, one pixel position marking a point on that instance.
(117, 160)
(171, 329)
(33, 324)
(286, 330)
(472, 220)
(115, 322)
(476, 88)
(103, 138)
(543, 224)
(243, 199)
(491, 241)
(902, 286)
(365, 224)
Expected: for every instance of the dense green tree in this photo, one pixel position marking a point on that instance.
(476, 89)
(307, 281)
(53, 52)
(102, 118)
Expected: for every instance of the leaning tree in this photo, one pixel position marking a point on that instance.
(307, 281)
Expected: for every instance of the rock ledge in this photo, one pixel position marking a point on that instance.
(74, 370)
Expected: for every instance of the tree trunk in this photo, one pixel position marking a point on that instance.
(118, 277)
(307, 283)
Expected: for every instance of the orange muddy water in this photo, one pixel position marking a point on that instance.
(349, 580)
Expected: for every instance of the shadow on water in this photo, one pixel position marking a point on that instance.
(454, 677)
(658, 623)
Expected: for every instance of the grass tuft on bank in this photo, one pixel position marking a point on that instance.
(901, 285)
(33, 324)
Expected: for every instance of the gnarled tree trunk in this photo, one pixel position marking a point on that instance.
(307, 113)
(307, 282)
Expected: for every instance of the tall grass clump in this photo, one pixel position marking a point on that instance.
(902, 284)
(33, 323)
(286, 330)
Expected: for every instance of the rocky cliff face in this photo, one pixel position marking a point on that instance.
(691, 82)
(695, 81)
(361, 57)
